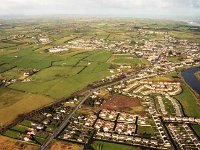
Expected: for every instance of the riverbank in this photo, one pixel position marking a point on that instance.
(190, 79)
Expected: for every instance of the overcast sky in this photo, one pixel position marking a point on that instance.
(130, 8)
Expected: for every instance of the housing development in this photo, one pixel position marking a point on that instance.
(99, 83)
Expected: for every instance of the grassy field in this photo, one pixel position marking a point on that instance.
(62, 41)
(190, 36)
(161, 78)
(127, 60)
(108, 146)
(174, 59)
(12, 74)
(6, 67)
(62, 87)
(145, 131)
(26, 58)
(188, 101)
(169, 106)
(100, 56)
(56, 72)
(13, 103)
(196, 129)
(68, 76)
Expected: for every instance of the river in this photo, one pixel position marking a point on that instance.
(190, 78)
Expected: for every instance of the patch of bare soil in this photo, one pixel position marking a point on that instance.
(120, 102)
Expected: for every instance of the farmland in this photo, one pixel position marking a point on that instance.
(14, 103)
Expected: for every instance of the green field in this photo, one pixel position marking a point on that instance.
(20, 128)
(145, 131)
(62, 87)
(97, 145)
(7, 44)
(196, 129)
(188, 35)
(175, 59)
(6, 67)
(26, 58)
(12, 74)
(99, 56)
(128, 60)
(188, 101)
(26, 123)
(13, 134)
(169, 106)
(62, 41)
(68, 76)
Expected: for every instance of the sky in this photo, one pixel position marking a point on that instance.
(128, 8)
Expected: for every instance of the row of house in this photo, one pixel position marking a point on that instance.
(184, 137)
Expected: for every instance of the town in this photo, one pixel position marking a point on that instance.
(123, 88)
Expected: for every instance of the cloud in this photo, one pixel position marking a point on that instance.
(101, 7)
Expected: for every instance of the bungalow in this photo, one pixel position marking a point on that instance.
(66, 136)
(40, 127)
(27, 138)
(32, 132)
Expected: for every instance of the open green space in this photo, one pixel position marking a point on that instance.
(20, 128)
(189, 102)
(145, 131)
(196, 128)
(40, 140)
(62, 40)
(12, 74)
(128, 60)
(7, 44)
(6, 67)
(175, 59)
(13, 134)
(100, 56)
(56, 72)
(169, 106)
(28, 59)
(26, 123)
(98, 145)
(68, 76)
(191, 36)
(62, 87)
